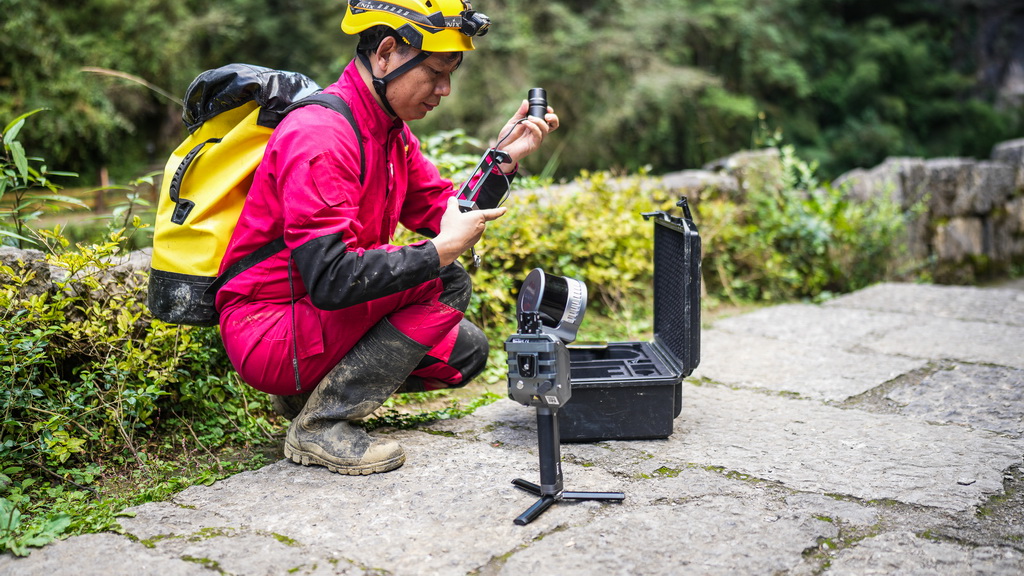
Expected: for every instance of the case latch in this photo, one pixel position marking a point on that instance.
(662, 215)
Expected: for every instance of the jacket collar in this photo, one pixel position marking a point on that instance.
(373, 120)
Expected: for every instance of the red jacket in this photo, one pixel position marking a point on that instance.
(337, 230)
(345, 273)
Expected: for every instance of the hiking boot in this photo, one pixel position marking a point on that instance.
(345, 449)
(322, 434)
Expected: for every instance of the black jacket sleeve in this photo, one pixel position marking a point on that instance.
(336, 277)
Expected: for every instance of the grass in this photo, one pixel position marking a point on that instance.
(91, 500)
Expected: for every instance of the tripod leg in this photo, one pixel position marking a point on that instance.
(528, 486)
(602, 496)
(550, 487)
(534, 511)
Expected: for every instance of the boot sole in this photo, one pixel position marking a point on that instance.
(307, 459)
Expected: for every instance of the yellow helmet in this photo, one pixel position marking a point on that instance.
(428, 25)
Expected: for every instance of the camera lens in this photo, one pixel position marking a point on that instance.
(538, 100)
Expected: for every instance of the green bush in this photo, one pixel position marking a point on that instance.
(787, 236)
(591, 230)
(91, 382)
(90, 372)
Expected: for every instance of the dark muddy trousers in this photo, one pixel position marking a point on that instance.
(258, 337)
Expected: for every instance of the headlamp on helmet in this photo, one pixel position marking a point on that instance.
(474, 23)
(429, 25)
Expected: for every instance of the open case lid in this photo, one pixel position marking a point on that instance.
(677, 290)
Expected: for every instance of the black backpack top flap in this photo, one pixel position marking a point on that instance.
(227, 87)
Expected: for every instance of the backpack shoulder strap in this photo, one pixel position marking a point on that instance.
(334, 102)
(261, 254)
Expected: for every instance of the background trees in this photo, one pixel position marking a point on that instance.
(669, 83)
(101, 120)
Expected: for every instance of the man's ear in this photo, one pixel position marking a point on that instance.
(385, 51)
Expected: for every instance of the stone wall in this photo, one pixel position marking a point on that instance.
(125, 273)
(967, 216)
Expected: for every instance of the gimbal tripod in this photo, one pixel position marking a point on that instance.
(549, 309)
(550, 488)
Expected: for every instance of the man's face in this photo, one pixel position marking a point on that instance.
(420, 90)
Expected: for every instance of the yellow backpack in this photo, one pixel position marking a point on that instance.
(230, 113)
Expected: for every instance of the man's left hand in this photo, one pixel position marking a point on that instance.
(527, 133)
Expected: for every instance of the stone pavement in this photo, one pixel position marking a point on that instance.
(879, 433)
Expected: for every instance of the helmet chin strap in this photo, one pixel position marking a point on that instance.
(380, 85)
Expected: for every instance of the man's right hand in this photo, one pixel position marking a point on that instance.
(460, 231)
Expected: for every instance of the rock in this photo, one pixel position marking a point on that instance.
(751, 168)
(26, 263)
(945, 180)
(959, 238)
(1011, 153)
(128, 274)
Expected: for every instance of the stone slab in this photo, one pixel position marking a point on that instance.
(989, 305)
(906, 553)
(716, 535)
(814, 448)
(97, 555)
(811, 369)
(982, 397)
(946, 339)
(831, 327)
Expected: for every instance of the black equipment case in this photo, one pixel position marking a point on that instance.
(633, 390)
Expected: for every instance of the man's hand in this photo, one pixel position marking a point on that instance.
(460, 231)
(525, 136)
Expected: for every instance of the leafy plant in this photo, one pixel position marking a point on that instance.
(22, 177)
(88, 380)
(17, 531)
(789, 236)
(124, 214)
(453, 152)
(88, 377)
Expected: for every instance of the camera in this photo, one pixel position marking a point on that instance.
(549, 312)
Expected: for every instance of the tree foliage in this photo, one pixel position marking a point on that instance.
(46, 47)
(677, 83)
(670, 84)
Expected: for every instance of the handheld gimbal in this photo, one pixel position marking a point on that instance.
(549, 311)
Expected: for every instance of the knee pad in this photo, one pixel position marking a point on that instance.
(469, 355)
(458, 287)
